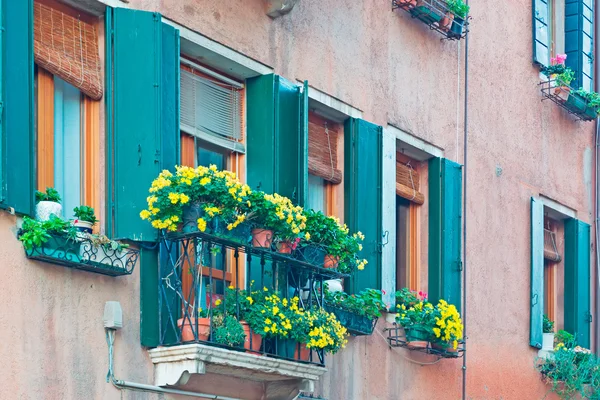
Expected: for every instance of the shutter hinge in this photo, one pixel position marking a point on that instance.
(460, 266)
(157, 157)
(589, 317)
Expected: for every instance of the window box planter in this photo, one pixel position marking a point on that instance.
(436, 15)
(357, 325)
(399, 337)
(566, 98)
(427, 12)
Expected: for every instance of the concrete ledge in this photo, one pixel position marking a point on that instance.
(174, 365)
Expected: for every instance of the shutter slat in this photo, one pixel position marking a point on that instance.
(363, 143)
(18, 109)
(537, 274)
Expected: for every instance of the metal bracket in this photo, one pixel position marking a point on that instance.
(534, 300)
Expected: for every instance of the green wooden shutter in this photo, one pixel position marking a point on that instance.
(277, 153)
(145, 121)
(541, 32)
(445, 227)
(578, 315)
(579, 33)
(537, 274)
(16, 106)
(363, 149)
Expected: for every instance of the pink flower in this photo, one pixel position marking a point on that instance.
(382, 291)
(559, 59)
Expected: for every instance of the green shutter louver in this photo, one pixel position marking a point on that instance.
(541, 32)
(445, 227)
(579, 44)
(537, 274)
(277, 125)
(144, 131)
(17, 106)
(578, 315)
(363, 149)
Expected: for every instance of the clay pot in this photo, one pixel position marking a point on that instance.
(262, 238)
(406, 4)
(331, 261)
(187, 329)
(285, 247)
(256, 338)
(446, 22)
(562, 92)
(303, 354)
(83, 226)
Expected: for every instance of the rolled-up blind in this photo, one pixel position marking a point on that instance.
(322, 149)
(550, 248)
(209, 107)
(68, 48)
(407, 183)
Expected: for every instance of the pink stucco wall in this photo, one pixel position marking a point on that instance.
(398, 72)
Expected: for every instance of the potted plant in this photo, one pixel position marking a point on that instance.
(271, 318)
(429, 11)
(99, 249)
(592, 103)
(47, 204)
(325, 331)
(86, 218)
(357, 312)
(460, 10)
(54, 237)
(228, 331)
(187, 326)
(548, 334)
(418, 320)
(240, 302)
(406, 4)
(448, 329)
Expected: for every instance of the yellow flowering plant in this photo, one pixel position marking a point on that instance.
(448, 329)
(271, 318)
(275, 212)
(325, 332)
(215, 194)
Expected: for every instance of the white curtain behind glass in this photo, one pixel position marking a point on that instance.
(316, 193)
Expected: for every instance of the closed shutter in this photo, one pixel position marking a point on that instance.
(445, 227)
(145, 131)
(16, 105)
(277, 143)
(363, 196)
(536, 297)
(578, 315)
(579, 28)
(211, 110)
(541, 32)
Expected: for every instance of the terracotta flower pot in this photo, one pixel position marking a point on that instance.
(187, 329)
(443, 346)
(256, 338)
(446, 22)
(262, 238)
(562, 92)
(331, 261)
(406, 4)
(285, 247)
(303, 354)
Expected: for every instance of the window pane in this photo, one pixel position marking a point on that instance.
(402, 242)
(316, 193)
(208, 156)
(67, 145)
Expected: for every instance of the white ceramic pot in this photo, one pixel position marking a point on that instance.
(83, 226)
(334, 285)
(44, 209)
(548, 341)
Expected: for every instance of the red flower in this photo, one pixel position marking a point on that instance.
(383, 291)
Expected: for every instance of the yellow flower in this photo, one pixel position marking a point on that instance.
(250, 300)
(201, 224)
(307, 236)
(218, 302)
(205, 181)
(183, 198)
(174, 197)
(145, 214)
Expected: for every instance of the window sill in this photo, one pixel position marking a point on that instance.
(174, 366)
(84, 255)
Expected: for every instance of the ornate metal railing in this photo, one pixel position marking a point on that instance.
(84, 254)
(196, 270)
(397, 338)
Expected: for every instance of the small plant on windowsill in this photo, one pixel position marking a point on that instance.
(548, 334)
(47, 204)
(357, 312)
(86, 218)
(459, 9)
(36, 233)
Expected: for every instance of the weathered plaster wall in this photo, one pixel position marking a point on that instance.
(396, 71)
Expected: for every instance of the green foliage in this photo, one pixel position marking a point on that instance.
(548, 326)
(51, 194)
(564, 337)
(85, 213)
(228, 331)
(408, 298)
(35, 233)
(555, 69)
(565, 78)
(592, 99)
(458, 7)
(572, 372)
(367, 303)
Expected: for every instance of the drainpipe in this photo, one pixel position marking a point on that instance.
(124, 385)
(595, 197)
(465, 158)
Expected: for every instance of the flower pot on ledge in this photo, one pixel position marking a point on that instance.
(417, 336)
(425, 11)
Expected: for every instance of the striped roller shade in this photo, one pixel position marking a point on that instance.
(407, 183)
(68, 48)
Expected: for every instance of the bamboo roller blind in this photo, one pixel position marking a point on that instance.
(322, 150)
(68, 48)
(550, 249)
(407, 183)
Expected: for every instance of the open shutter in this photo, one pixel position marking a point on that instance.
(578, 315)
(537, 274)
(579, 28)
(277, 154)
(363, 195)
(145, 113)
(541, 32)
(16, 105)
(445, 227)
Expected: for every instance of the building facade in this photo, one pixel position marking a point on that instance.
(465, 187)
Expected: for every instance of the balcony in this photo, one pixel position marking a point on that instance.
(438, 16)
(204, 279)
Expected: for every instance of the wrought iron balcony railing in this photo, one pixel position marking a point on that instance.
(436, 15)
(567, 98)
(197, 270)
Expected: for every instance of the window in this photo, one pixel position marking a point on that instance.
(68, 87)
(408, 200)
(552, 265)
